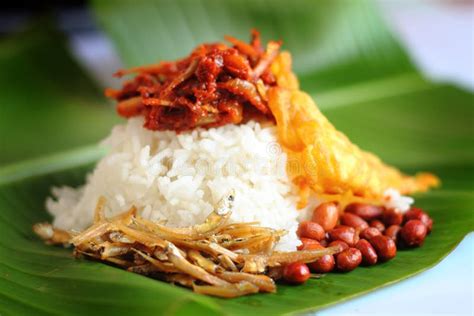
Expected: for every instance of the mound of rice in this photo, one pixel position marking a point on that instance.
(180, 178)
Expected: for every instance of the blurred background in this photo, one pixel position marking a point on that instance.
(437, 33)
(55, 61)
(438, 36)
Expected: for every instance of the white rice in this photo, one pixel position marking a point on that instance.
(393, 199)
(180, 178)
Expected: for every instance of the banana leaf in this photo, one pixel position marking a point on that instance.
(360, 77)
(47, 102)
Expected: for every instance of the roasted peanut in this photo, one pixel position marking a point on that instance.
(377, 224)
(369, 256)
(326, 215)
(296, 273)
(349, 259)
(339, 243)
(311, 230)
(353, 220)
(324, 264)
(413, 233)
(345, 233)
(324, 242)
(365, 211)
(384, 247)
(309, 244)
(416, 213)
(392, 232)
(392, 217)
(370, 232)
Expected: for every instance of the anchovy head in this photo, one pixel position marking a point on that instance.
(226, 203)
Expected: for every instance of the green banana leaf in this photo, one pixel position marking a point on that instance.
(47, 103)
(359, 76)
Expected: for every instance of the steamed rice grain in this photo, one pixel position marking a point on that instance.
(180, 177)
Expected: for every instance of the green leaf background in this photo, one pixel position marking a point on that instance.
(346, 59)
(47, 102)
